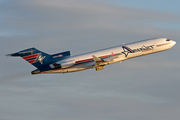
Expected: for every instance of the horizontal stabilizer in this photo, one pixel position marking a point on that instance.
(10, 54)
(22, 53)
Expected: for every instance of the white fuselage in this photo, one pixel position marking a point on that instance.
(115, 54)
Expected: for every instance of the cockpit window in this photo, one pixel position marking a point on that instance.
(167, 39)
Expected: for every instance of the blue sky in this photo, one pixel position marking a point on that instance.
(141, 88)
(169, 6)
(161, 5)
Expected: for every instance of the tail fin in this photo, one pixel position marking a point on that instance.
(40, 59)
(33, 56)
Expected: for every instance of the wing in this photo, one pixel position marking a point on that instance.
(101, 62)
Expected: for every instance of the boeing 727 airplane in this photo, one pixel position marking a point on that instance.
(64, 63)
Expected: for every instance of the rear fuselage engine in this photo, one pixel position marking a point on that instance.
(62, 64)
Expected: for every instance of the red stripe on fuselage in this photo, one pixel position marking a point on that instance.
(84, 60)
(30, 56)
(99, 57)
(147, 50)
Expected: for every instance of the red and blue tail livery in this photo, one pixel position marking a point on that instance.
(64, 63)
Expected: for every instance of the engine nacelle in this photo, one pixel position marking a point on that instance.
(62, 64)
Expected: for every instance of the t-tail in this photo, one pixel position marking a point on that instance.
(40, 59)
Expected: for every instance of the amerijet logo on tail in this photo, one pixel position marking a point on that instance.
(40, 58)
(144, 48)
(34, 58)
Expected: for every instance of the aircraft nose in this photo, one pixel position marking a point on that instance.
(173, 43)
